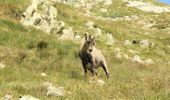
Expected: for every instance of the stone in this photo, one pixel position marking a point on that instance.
(7, 97)
(149, 62)
(133, 51)
(147, 7)
(28, 97)
(100, 82)
(97, 31)
(107, 2)
(145, 43)
(109, 39)
(85, 4)
(125, 1)
(128, 42)
(126, 56)
(97, 82)
(2, 66)
(57, 27)
(43, 75)
(118, 55)
(77, 38)
(103, 10)
(136, 58)
(67, 34)
(42, 15)
(117, 50)
(53, 91)
(90, 25)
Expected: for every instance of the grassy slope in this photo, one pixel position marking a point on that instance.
(24, 61)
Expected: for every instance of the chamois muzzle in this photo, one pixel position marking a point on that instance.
(90, 50)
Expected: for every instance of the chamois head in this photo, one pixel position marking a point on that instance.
(89, 43)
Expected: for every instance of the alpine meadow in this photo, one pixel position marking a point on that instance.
(40, 42)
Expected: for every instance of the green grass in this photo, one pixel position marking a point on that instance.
(25, 60)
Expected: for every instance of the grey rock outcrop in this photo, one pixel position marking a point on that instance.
(42, 15)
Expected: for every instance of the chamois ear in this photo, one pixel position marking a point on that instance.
(94, 41)
(94, 38)
(85, 35)
(90, 36)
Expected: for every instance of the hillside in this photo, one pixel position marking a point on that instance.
(36, 51)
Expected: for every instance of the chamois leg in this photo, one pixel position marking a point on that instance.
(104, 66)
(93, 71)
(85, 68)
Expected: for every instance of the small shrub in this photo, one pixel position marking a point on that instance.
(42, 45)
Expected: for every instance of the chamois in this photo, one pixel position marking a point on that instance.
(91, 57)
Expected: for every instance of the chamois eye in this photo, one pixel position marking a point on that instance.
(93, 43)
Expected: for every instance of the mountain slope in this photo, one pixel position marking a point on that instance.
(27, 52)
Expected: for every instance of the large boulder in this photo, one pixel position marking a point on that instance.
(42, 15)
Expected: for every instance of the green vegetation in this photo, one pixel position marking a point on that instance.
(27, 52)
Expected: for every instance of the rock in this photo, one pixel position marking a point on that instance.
(117, 50)
(147, 7)
(2, 66)
(7, 97)
(145, 43)
(42, 15)
(149, 62)
(130, 18)
(136, 58)
(107, 2)
(128, 42)
(90, 25)
(125, 1)
(126, 56)
(67, 34)
(100, 82)
(53, 91)
(77, 38)
(43, 75)
(146, 24)
(57, 27)
(97, 31)
(110, 40)
(27, 97)
(52, 13)
(85, 4)
(103, 10)
(133, 51)
(168, 63)
(118, 55)
(146, 33)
